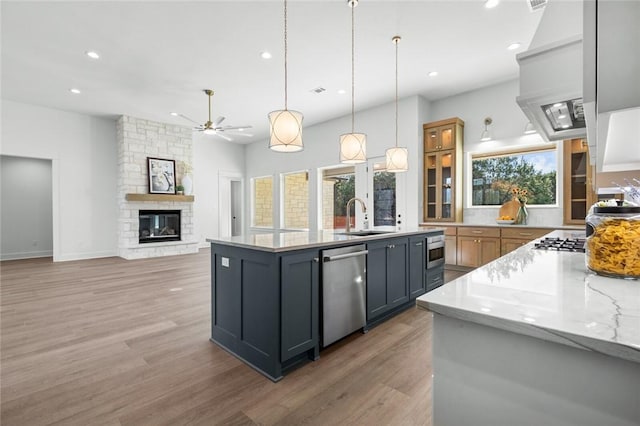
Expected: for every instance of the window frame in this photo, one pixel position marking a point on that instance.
(468, 184)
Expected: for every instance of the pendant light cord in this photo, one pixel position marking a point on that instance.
(285, 54)
(396, 43)
(353, 73)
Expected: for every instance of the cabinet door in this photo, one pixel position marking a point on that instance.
(511, 244)
(431, 139)
(447, 135)
(489, 250)
(578, 193)
(416, 266)
(439, 185)
(435, 278)
(300, 303)
(376, 279)
(468, 254)
(397, 266)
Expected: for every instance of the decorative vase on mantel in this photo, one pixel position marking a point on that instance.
(187, 183)
(522, 216)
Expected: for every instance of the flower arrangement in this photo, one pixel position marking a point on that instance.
(520, 194)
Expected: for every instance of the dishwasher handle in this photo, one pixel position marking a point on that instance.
(344, 256)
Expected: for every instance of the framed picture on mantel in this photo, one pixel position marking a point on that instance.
(162, 176)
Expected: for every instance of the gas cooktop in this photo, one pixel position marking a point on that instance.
(561, 244)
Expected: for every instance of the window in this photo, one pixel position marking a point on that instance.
(495, 175)
(262, 189)
(384, 194)
(338, 187)
(295, 200)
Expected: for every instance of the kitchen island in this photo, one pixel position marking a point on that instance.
(266, 289)
(534, 338)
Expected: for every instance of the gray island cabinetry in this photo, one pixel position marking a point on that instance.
(266, 290)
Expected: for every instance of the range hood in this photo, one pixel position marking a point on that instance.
(551, 88)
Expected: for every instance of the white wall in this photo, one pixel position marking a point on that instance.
(212, 158)
(499, 103)
(25, 208)
(321, 149)
(84, 155)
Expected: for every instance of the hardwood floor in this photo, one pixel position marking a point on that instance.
(117, 342)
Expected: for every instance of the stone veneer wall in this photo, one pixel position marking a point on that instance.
(137, 140)
(327, 203)
(296, 201)
(263, 200)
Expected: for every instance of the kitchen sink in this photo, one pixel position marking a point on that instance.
(365, 233)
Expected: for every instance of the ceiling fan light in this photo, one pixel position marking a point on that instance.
(285, 130)
(209, 131)
(529, 129)
(353, 148)
(397, 159)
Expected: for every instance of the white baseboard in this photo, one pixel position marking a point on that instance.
(82, 256)
(26, 255)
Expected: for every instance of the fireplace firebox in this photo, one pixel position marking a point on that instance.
(159, 226)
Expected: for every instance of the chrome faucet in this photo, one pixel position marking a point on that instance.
(364, 210)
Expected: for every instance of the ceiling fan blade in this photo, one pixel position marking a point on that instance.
(234, 127)
(187, 118)
(248, 135)
(225, 137)
(218, 121)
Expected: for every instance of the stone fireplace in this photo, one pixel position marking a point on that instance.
(137, 140)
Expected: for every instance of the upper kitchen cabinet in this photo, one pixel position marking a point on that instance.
(442, 135)
(578, 174)
(611, 83)
(443, 170)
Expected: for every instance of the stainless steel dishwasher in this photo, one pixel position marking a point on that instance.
(344, 282)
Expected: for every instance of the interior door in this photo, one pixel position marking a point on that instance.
(386, 194)
(236, 208)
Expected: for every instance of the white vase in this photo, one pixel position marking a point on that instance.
(187, 183)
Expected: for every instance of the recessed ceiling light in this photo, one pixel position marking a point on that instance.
(490, 4)
(92, 54)
(175, 114)
(513, 46)
(432, 73)
(265, 55)
(75, 91)
(561, 116)
(558, 104)
(341, 92)
(566, 126)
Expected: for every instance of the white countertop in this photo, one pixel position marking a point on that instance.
(287, 241)
(549, 295)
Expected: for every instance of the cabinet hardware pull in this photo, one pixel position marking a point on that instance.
(476, 232)
(418, 244)
(315, 259)
(526, 234)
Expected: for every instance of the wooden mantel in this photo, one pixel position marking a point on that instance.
(159, 197)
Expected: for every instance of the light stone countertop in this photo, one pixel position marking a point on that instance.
(549, 295)
(498, 225)
(299, 240)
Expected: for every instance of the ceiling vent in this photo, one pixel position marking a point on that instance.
(535, 5)
(318, 90)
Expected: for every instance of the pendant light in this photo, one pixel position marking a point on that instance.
(285, 125)
(353, 146)
(397, 158)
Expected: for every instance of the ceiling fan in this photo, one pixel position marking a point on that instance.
(214, 127)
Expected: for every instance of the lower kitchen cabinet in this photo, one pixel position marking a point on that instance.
(417, 279)
(265, 306)
(434, 278)
(477, 246)
(450, 255)
(387, 284)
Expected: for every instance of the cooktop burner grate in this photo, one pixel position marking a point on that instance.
(561, 244)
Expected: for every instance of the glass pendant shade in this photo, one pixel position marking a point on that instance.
(286, 130)
(353, 148)
(485, 136)
(397, 159)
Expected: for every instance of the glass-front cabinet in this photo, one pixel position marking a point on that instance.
(578, 188)
(443, 170)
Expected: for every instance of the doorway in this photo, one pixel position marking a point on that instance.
(230, 204)
(386, 194)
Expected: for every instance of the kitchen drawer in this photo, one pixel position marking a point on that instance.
(466, 231)
(524, 233)
(450, 230)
